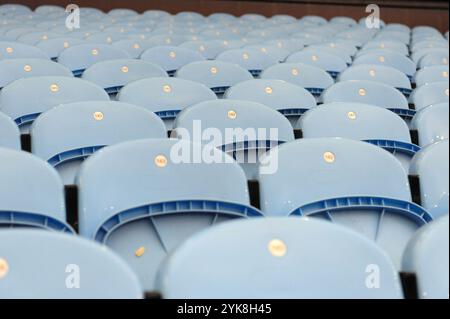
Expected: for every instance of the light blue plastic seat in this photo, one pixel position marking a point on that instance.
(312, 78)
(331, 63)
(143, 198)
(208, 49)
(31, 193)
(105, 37)
(340, 48)
(25, 99)
(436, 58)
(112, 75)
(432, 124)
(418, 55)
(80, 57)
(395, 46)
(9, 133)
(250, 59)
(386, 57)
(53, 47)
(49, 9)
(134, 47)
(370, 92)
(14, 8)
(17, 50)
(67, 134)
(430, 74)
(243, 129)
(429, 94)
(44, 265)
(34, 37)
(277, 258)
(427, 257)
(425, 44)
(171, 58)
(275, 50)
(378, 73)
(15, 69)
(289, 99)
(217, 75)
(431, 166)
(347, 182)
(166, 97)
(363, 122)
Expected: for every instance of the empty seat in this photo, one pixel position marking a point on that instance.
(34, 37)
(252, 60)
(16, 50)
(311, 78)
(277, 258)
(9, 132)
(66, 135)
(360, 122)
(427, 257)
(15, 69)
(243, 129)
(208, 49)
(171, 58)
(44, 265)
(274, 50)
(369, 92)
(431, 166)
(398, 47)
(346, 182)
(112, 75)
(378, 73)
(432, 93)
(134, 47)
(418, 55)
(289, 99)
(31, 193)
(53, 47)
(331, 63)
(217, 75)
(144, 198)
(166, 97)
(437, 58)
(79, 57)
(25, 99)
(388, 58)
(435, 73)
(432, 124)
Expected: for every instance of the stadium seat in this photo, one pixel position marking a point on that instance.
(243, 129)
(9, 133)
(289, 99)
(171, 58)
(34, 37)
(437, 58)
(217, 75)
(53, 47)
(431, 166)
(16, 50)
(331, 63)
(418, 55)
(134, 47)
(15, 69)
(369, 92)
(427, 257)
(360, 122)
(79, 57)
(112, 75)
(252, 60)
(398, 47)
(274, 50)
(146, 208)
(388, 58)
(33, 195)
(432, 124)
(435, 73)
(66, 135)
(346, 182)
(166, 97)
(429, 94)
(208, 49)
(378, 73)
(309, 77)
(277, 259)
(43, 265)
(25, 99)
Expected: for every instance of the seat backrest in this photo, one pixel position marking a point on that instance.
(386, 57)
(427, 257)
(171, 58)
(17, 50)
(250, 59)
(432, 124)
(430, 74)
(397, 47)
(209, 49)
(53, 47)
(354, 121)
(367, 92)
(74, 131)
(437, 58)
(9, 133)
(79, 57)
(418, 55)
(268, 258)
(44, 265)
(31, 192)
(112, 75)
(429, 94)
(319, 58)
(24, 99)
(15, 69)
(431, 164)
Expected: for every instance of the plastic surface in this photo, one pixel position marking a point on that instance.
(430, 94)
(171, 58)
(9, 133)
(432, 124)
